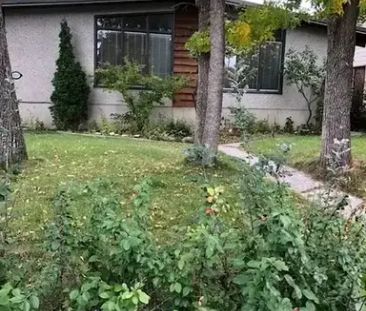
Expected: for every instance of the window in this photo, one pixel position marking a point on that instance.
(263, 70)
(142, 39)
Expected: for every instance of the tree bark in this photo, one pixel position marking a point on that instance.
(12, 145)
(203, 70)
(338, 84)
(216, 76)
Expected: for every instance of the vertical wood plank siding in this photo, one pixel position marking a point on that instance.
(186, 23)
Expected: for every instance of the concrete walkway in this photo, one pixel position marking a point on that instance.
(300, 182)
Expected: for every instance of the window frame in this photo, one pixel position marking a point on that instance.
(279, 91)
(147, 31)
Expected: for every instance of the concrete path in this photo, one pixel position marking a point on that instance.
(300, 182)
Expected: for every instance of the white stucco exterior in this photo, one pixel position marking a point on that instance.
(33, 46)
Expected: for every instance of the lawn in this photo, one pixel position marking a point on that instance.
(57, 159)
(113, 247)
(305, 152)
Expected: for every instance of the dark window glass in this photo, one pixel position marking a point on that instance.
(145, 40)
(109, 22)
(134, 22)
(260, 71)
(160, 23)
(270, 57)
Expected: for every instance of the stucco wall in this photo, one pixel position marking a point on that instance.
(275, 107)
(33, 45)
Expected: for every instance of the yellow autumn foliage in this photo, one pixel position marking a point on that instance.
(239, 35)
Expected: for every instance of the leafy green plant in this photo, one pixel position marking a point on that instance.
(289, 126)
(169, 131)
(139, 91)
(239, 78)
(71, 91)
(123, 123)
(303, 71)
(262, 127)
(199, 43)
(13, 299)
(4, 189)
(94, 293)
(260, 252)
(244, 121)
(200, 155)
(178, 129)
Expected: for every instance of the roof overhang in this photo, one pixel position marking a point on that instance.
(40, 3)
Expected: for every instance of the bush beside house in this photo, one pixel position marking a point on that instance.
(71, 91)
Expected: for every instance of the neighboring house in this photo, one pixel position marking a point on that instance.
(152, 33)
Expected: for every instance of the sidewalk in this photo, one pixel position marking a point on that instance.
(298, 181)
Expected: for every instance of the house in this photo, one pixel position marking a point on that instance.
(149, 32)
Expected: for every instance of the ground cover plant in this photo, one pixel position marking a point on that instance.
(144, 231)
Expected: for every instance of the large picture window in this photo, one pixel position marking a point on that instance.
(142, 39)
(263, 69)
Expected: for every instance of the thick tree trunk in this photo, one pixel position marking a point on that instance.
(12, 146)
(216, 75)
(338, 84)
(203, 69)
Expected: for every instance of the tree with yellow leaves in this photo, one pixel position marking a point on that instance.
(215, 36)
(256, 25)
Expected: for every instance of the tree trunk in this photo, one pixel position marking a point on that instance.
(216, 76)
(338, 84)
(12, 146)
(203, 69)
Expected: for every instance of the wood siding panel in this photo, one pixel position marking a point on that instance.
(186, 23)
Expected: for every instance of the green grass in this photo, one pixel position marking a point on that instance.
(305, 152)
(304, 148)
(56, 159)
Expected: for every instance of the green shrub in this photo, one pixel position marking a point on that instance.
(139, 91)
(271, 256)
(199, 43)
(13, 299)
(303, 70)
(71, 91)
(262, 127)
(36, 125)
(169, 131)
(124, 123)
(289, 126)
(244, 121)
(200, 155)
(178, 129)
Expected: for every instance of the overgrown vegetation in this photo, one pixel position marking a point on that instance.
(165, 130)
(139, 91)
(71, 90)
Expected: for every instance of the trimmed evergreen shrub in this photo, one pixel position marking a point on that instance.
(71, 91)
